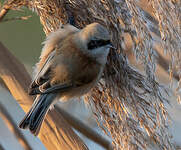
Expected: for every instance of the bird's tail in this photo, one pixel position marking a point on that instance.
(34, 118)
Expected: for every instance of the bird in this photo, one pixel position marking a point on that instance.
(71, 64)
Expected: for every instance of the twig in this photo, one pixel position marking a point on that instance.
(13, 127)
(3, 12)
(16, 18)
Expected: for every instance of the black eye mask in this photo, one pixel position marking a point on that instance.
(97, 43)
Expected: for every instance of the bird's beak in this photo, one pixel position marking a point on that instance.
(111, 46)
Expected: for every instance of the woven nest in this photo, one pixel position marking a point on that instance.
(129, 106)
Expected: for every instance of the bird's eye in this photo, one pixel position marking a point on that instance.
(97, 43)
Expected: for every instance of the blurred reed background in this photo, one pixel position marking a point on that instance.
(23, 37)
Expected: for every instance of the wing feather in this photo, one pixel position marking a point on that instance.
(41, 83)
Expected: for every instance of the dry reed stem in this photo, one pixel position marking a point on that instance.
(13, 127)
(1, 147)
(84, 129)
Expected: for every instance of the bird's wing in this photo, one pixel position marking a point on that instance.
(41, 83)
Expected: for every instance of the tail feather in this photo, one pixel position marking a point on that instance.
(34, 118)
(26, 120)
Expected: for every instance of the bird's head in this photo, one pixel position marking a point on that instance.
(95, 41)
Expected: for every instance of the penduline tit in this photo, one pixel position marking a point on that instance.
(71, 63)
